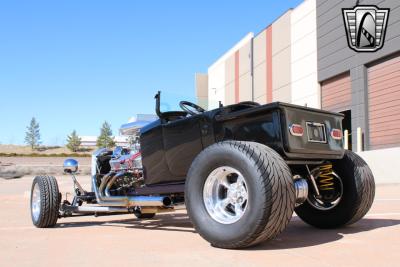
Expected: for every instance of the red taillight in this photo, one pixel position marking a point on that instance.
(336, 134)
(296, 130)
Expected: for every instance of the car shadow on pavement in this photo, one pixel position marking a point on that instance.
(178, 222)
(298, 234)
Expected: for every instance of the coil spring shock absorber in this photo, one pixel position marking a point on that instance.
(325, 179)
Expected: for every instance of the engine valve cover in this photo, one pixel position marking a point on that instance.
(126, 162)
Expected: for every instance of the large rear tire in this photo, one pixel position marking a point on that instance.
(45, 201)
(356, 200)
(239, 194)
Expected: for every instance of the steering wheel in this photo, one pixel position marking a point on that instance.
(189, 106)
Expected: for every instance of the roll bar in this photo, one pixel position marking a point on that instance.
(157, 97)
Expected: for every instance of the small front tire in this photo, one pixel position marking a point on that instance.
(45, 201)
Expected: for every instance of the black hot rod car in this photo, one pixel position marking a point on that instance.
(241, 170)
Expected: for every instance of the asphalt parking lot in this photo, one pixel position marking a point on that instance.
(170, 240)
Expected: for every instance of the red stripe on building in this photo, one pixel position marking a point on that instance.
(269, 63)
(237, 76)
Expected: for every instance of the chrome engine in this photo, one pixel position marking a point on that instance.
(126, 162)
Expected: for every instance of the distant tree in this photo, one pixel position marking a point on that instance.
(32, 134)
(105, 139)
(73, 141)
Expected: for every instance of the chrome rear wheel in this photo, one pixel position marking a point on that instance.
(225, 195)
(329, 198)
(239, 194)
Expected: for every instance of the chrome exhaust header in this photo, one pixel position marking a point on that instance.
(123, 201)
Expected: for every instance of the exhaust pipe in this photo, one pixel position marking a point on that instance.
(91, 209)
(123, 201)
(301, 187)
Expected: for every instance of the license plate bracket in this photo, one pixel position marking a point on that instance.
(316, 132)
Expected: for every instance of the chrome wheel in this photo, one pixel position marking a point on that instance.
(328, 200)
(225, 195)
(35, 202)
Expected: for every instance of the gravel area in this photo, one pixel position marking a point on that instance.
(16, 167)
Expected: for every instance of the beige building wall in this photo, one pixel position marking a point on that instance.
(216, 84)
(281, 58)
(230, 80)
(260, 67)
(201, 84)
(288, 72)
(305, 86)
(221, 76)
(245, 83)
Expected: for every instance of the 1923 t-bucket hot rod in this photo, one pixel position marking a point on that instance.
(241, 170)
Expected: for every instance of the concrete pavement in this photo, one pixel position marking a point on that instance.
(170, 240)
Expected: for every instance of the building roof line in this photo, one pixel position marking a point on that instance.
(231, 51)
(278, 18)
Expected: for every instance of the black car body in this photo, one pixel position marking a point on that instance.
(170, 144)
(240, 170)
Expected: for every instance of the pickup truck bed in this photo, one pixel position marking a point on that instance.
(270, 124)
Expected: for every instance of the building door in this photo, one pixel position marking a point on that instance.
(336, 93)
(336, 97)
(384, 104)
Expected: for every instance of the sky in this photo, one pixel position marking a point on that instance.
(74, 64)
